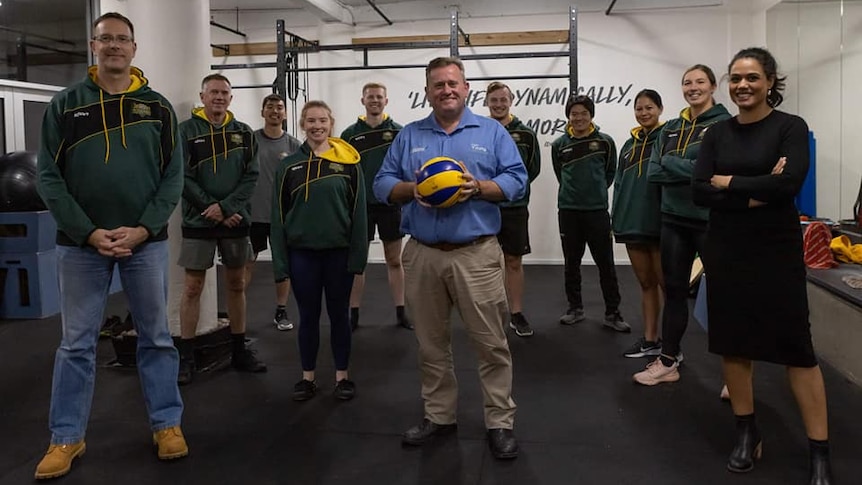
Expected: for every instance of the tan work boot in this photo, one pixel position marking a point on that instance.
(171, 443)
(58, 460)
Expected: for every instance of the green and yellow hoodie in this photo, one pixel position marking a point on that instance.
(109, 160)
(372, 145)
(672, 162)
(637, 203)
(528, 147)
(585, 168)
(221, 167)
(319, 203)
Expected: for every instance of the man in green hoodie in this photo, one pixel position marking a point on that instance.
(110, 172)
(221, 169)
(514, 233)
(372, 135)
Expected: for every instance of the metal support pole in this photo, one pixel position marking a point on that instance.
(374, 6)
(21, 65)
(573, 50)
(281, 68)
(225, 27)
(453, 33)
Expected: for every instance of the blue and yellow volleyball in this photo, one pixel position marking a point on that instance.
(439, 181)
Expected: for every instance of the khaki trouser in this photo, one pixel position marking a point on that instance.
(471, 279)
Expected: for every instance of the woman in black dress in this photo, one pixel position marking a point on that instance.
(748, 172)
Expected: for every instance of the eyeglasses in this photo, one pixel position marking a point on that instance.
(119, 39)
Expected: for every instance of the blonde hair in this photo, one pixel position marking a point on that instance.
(373, 85)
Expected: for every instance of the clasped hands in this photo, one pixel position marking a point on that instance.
(215, 214)
(119, 242)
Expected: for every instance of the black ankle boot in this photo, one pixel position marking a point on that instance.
(749, 445)
(820, 468)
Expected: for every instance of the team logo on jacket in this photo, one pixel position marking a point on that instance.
(141, 110)
(516, 137)
(702, 132)
(594, 146)
(236, 139)
(336, 167)
(388, 136)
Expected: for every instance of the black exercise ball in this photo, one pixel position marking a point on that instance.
(18, 180)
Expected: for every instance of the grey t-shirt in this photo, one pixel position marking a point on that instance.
(270, 152)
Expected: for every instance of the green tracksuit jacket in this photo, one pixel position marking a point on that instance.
(319, 203)
(372, 145)
(221, 167)
(585, 168)
(109, 160)
(636, 212)
(673, 158)
(528, 147)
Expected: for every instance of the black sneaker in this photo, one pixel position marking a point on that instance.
(186, 372)
(614, 321)
(520, 325)
(304, 390)
(245, 361)
(405, 323)
(281, 321)
(345, 390)
(573, 316)
(643, 348)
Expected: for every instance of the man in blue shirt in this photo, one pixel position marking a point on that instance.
(454, 251)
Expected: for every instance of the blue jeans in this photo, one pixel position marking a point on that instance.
(85, 278)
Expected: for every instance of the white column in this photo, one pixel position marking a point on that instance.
(173, 39)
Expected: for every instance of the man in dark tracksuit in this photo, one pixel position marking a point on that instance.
(584, 162)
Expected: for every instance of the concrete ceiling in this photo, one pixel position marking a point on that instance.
(463, 5)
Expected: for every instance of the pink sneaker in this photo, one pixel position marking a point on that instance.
(656, 373)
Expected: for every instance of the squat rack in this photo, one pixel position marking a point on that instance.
(289, 46)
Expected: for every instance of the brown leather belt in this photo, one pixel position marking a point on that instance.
(447, 246)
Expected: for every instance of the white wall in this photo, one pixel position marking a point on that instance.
(819, 47)
(618, 56)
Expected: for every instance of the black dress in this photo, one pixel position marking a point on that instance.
(757, 298)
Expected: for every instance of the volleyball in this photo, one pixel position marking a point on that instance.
(439, 181)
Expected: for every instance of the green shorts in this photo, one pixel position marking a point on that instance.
(198, 254)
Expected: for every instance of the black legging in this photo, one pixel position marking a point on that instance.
(313, 273)
(680, 243)
(579, 229)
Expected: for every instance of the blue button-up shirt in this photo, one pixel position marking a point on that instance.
(488, 152)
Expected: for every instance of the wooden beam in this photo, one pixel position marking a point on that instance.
(246, 49)
(479, 39)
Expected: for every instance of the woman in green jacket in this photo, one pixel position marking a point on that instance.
(637, 217)
(319, 240)
(683, 224)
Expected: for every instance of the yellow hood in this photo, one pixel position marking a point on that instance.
(340, 151)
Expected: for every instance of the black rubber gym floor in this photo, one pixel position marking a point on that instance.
(580, 418)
